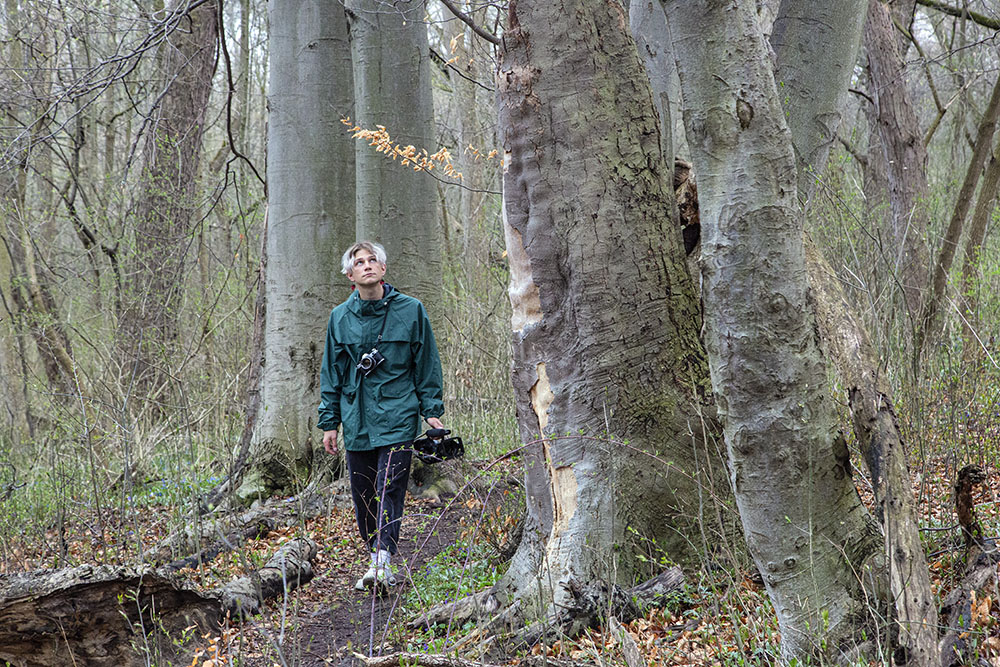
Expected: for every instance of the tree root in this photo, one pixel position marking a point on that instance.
(593, 605)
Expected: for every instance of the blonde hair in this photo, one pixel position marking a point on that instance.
(348, 259)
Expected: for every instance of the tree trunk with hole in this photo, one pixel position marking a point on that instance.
(310, 217)
(165, 205)
(812, 539)
(397, 206)
(609, 375)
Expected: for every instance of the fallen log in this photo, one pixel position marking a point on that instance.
(260, 527)
(288, 568)
(202, 534)
(98, 616)
(119, 616)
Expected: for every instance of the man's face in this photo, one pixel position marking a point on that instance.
(366, 270)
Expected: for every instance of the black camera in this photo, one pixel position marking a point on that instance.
(435, 446)
(370, 361)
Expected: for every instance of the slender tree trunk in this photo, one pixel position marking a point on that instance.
(902, 144)
(156, 269)
(814, 68)
(805, 525)
(395, 205)
(977, 234)
(605, 319)
(963, 202)
(310, 167)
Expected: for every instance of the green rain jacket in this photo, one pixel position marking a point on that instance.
(385, 407)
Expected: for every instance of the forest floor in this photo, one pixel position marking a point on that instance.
(450, 546)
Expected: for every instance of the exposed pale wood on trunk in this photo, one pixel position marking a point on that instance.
(606, 319)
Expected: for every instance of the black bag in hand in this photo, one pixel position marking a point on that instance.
(435, 447)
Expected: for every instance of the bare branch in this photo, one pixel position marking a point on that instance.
(959, 12)
(466, 19)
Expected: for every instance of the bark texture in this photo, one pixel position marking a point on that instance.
(165, 204)
(970, 268)
(905, 154)
(815, 46)
(395, 205)
(805, 525)
(101, 616)
(310, 168)
(605, 319)
(876, 427)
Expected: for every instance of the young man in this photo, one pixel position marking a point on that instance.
(380, 373)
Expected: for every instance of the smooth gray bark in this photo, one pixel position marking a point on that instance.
(397, 206)
(310, 169)
(805, 525)
(805, 34)
(816, 48)
(605, 318)
(649, 29)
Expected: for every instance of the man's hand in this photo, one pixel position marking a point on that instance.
(434, 422)
(330, 442)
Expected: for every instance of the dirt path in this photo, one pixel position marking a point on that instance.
(328, 620)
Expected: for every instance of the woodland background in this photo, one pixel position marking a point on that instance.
(178, 182)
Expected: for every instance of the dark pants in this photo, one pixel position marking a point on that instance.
(378, 480)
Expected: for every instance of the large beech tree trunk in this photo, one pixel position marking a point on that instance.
(816, 46)
(392, 87)
(310, 168)
(805, 525)
(605, 319)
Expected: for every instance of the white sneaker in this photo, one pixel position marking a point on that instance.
(379, 574)
(368, 580)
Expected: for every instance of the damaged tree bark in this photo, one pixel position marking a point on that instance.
(605, 316)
